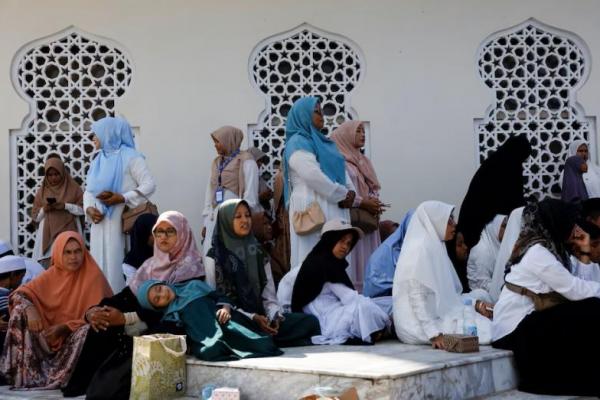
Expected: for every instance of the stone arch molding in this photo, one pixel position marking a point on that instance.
(304, 61)
(69, 79)
(535, 71)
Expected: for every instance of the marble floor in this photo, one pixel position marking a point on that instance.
(389, 370)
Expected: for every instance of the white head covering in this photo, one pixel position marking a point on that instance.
(511, 234)
(5, 246)
(11, 263)
(574, 146)
(424, 257)
(484, 254)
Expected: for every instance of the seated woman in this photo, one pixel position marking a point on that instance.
(562, 335)
(482, 257)
(379, 274)
(57, 207)
(115, 319)
(427, 292)
(141, 245)
(323, 289)
(206, 318)
(47, 330)
(573, 186)
(237, 267)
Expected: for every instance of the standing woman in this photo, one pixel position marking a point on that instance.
(234, 175)
(280, 254)
(314, 171)
(57, 207)
(118, 176)
(350, 138)
(591, 178)
(573, 186)
(47, 329)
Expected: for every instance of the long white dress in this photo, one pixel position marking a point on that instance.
(427, 297)
(209, 214)
(310, 184)
(482, 258)
(107, 240)
(343, 314)
(511, 234)
(38, 253)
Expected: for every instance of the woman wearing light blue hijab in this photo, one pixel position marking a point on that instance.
(315, 171)
(118, 176)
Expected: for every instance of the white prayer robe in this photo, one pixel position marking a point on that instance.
(209, 214)
(310, 184)
(107, 240)
(482, 258)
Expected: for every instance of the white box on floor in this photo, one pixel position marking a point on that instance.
(225, 393)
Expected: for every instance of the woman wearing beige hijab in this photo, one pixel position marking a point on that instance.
(234, 175)
(350, 138)
(57, 207)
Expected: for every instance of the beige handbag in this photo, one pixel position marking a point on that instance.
(131, 214)
(308, 221)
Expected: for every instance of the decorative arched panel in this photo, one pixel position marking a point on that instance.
(304, 61)
(535, 71)
(70, 79)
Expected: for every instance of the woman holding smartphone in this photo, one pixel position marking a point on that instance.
(118, 176)
(57, 207)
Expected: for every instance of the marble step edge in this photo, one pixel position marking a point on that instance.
(515, 394)
(486, 354)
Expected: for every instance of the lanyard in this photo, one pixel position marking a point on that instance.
(223, 164)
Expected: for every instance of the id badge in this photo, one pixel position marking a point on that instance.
(219, 196)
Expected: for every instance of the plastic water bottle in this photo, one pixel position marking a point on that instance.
(469, 325)
(206, 391)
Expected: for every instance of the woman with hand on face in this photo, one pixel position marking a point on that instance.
(350, 139)
(427, 293)
(314, 171)
(206, 317)
(57, 207)
(115, 319)
(234, 175)
(118, 176)
(323, 289)
(238, 267)
(47, 330)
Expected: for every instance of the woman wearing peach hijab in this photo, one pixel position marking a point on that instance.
(47, 329)
(350, 138)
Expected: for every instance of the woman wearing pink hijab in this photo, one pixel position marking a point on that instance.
(350, 138)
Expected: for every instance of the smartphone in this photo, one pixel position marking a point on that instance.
(51, 200)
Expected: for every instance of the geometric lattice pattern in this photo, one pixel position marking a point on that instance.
(302, 62)
(70, 80)
(534, 71)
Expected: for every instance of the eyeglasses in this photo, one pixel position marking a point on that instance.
(165, 233)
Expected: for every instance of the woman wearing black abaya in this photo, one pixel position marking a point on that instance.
(554, 348)
(496, 188)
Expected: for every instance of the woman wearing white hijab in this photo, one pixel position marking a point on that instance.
(482, 257)
(427, 292)
(511, 234)
(591, 178)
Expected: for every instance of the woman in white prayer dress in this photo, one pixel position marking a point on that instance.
(482, 258)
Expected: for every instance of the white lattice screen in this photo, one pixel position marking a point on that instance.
(70, 79)
(535, 71)
(305, 61)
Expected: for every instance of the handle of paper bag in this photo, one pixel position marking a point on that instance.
(174, 352)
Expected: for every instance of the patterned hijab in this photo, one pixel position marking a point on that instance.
(301, 134)
(67, 191)
(240, 260)
(182, 263)
(117, 149)
(548, 223)
(345, 137)
(232, 176)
